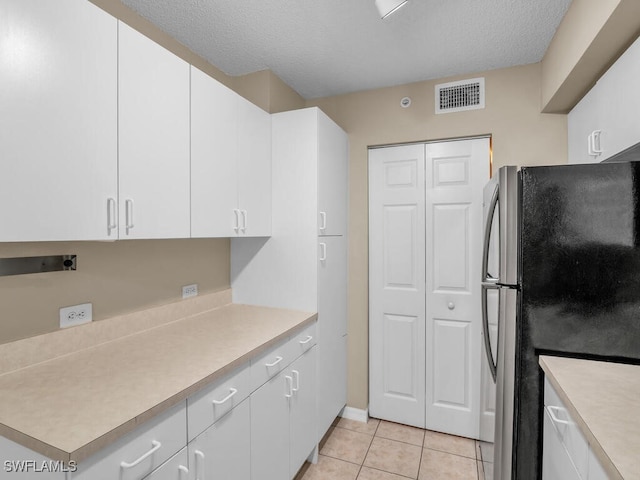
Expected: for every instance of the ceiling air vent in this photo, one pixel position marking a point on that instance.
(459, 96)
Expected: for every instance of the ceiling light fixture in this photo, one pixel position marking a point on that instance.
(387, 7)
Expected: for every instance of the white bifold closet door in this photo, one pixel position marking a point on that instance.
(425, 333)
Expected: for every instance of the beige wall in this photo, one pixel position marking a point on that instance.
(521, 136)
(592, 35)
(117, 277)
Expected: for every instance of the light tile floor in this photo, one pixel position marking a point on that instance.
(381, 450)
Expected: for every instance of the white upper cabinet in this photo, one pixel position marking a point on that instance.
(214, 149)
(605, 121)
(333, 152)
(153, 127)
(254, 169)
(230, 162)
(58, 118)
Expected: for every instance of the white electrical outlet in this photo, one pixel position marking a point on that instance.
(76, 315)
(190, 290)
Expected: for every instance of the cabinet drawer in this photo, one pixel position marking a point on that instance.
(129, 458)
(302, 341)
(210, 404)
(568, 432)
(268, 365)
(173, 469)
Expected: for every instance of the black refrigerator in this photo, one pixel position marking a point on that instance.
(562, 261)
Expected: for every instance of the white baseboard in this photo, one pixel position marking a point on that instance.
(355, 414)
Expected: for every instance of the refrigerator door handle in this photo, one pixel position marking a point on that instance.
(485, 329)
(486, 278)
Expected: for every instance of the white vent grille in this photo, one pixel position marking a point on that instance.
(459, 96)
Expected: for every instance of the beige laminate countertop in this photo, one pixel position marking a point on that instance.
(70, 407)
(604, 400)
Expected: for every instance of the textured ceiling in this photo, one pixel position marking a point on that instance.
(329, 47)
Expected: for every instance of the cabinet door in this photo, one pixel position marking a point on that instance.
(621, 103)
(556, 463)
(58, 121)
(333, 162)
(173, 469)
(214, 153)
(153, 128)
(270, 429)
(303, 427)
(332, 288)
(332, 382)
(223, 451)
(254, 170)
(583, 121)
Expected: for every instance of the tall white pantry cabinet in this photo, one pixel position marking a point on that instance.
(303, 265)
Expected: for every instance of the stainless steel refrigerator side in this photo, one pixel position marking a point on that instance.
(508, 181)
(505, 383)
(506, 358)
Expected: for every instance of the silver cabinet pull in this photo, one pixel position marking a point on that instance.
(128, 209)
(451, 305)
(232, 392)
(277, 361)
(155, 448)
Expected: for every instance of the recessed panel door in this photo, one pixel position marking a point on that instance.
(396, 284)
(455, 174)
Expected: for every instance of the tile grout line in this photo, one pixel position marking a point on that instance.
(368, 448)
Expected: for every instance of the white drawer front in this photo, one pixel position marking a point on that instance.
(569, 432)
(210, 404)
(304, 340)
(129, 458)
(268, 365)
(173, 469)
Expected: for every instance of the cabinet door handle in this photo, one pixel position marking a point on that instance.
(306, 340)
(590, 145)
(323, 220)
(232, 392)
(296, 376)
(289, 383)
(552, 413)
(128, 209)
(244, 221)
(199, 464)
(183, 472)
(596, 141)
(277, 361)
(111, 215)
(237, 214)
(323, 252)
(156, 446)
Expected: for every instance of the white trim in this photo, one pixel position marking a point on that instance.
(355, 414)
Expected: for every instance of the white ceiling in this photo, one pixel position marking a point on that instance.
(328, 47)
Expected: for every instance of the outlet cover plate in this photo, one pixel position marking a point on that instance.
(190, 290)
(76, 315)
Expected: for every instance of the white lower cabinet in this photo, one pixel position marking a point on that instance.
(556, 464)
(257, 422)
(283, 420)
(223, 451)
(566, 454)
(173, 469)
(140, 452)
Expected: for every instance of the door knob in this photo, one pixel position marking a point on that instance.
(451, 305)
